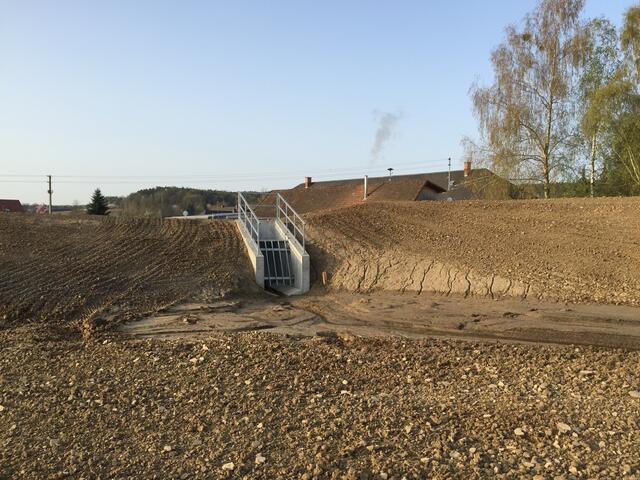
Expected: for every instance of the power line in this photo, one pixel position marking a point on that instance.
(188, 180)
(242, 176)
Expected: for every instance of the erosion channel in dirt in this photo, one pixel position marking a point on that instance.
(393, 314)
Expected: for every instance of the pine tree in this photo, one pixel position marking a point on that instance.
(98, 205)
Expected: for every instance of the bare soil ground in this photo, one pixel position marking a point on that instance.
(408, 315)
(102, 270)
(133, 349)
(576, 250)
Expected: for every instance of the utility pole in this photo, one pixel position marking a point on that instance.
(449, 178)
(50, 192)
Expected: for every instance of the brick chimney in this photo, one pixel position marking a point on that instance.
(307, 182)
(467, 169)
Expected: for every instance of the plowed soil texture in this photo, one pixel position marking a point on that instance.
(104, 270)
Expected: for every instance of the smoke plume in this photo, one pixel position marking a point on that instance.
(386, 122)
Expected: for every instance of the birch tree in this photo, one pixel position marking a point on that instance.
(617, 104)
(614, 109)
(630, 36)
(601, 63)
(527, 117)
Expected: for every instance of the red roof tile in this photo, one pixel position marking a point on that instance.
(343, 193)
(11, 206)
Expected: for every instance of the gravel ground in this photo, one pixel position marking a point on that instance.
(258, 405)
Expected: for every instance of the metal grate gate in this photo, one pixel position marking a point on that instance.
(277, 263)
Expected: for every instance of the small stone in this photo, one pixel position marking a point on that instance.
(634, 394)
(167, 448)
(424, 460)
(519, 432)
(228, 466)
(384, 475)
(1, 408)
(260, 459)
(407, 429)
(563, 427)
(191, 319)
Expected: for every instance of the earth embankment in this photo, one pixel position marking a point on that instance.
(573, 250)
(66, 269)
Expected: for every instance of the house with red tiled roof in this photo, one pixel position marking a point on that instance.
(467, 184)
(11, 206)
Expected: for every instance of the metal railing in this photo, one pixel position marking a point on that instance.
(290, 218)
(248, 218)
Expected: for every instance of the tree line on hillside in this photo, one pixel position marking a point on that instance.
(156, 202)
(172, 201)
(563, 113)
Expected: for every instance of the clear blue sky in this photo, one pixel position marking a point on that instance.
(161, 92)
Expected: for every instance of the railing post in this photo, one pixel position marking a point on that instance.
(247, 216)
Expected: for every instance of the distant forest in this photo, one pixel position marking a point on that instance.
(172, 201)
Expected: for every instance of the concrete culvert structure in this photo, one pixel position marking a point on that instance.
(276, 247)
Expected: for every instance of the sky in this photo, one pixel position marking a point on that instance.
(238, 95)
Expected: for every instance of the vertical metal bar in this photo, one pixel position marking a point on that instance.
(281, 262)
(267, 265)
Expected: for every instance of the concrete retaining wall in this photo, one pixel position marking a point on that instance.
(299, 259)
(255, 255)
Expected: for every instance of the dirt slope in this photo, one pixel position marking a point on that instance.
(56, 268)
(579, 250)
